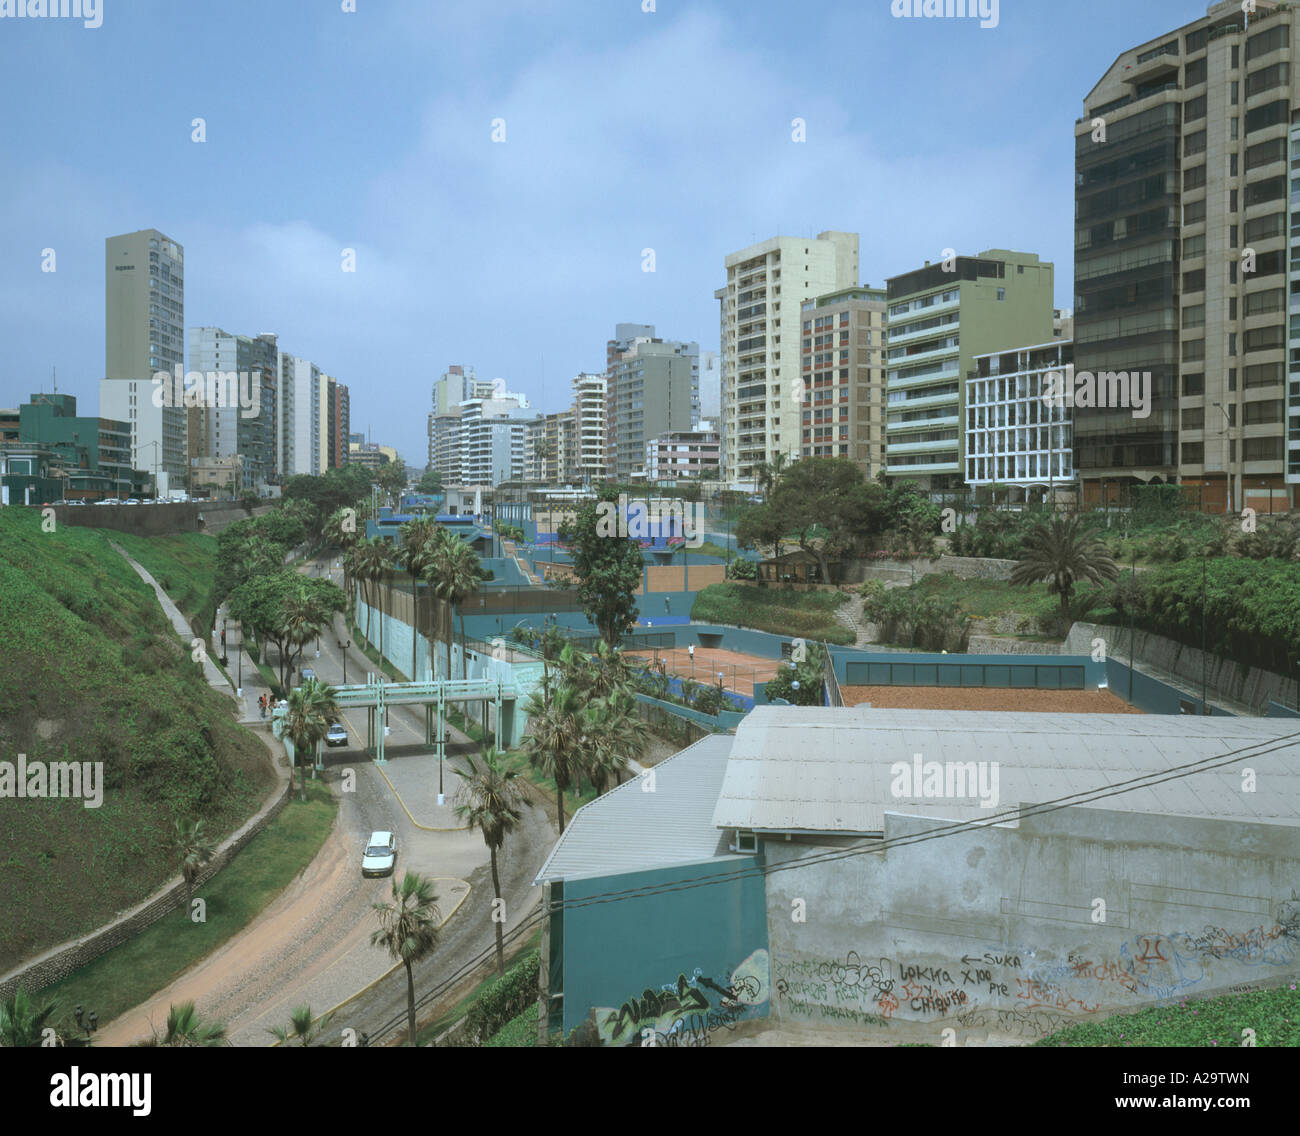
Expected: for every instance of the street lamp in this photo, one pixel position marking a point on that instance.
(346, 646)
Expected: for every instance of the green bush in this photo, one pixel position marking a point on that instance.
(742, 569)
(504, 999)
(781, 611)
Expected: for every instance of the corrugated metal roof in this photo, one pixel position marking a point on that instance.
(630, 830)
(801, 769)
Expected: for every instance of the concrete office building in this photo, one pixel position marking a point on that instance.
(759, 314)
(550, 448)
(842, 365)
(48, 452)
(940, 317)
(299, 416)
(710, 386)
(224, 431)
(492, 436)
(144, 326)
(683, 454)
(1182, 268)
(651, 386)
(1013, 436)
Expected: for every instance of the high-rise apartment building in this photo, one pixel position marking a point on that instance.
(225, 430)
(589, 422)
(842, 365)
(340, 425)
(301, 416)
(941, 317)
(1184, 260)
(651, 386)
(144, 326)
(759, 318)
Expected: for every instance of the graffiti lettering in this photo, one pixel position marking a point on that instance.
(925, 973)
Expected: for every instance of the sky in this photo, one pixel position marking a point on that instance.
(624, 130)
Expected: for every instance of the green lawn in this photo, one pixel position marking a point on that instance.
(132, 973)
(782, 611)
(1215, 1023)
(184, 566)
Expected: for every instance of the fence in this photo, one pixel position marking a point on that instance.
(1050, 676)
(834, 697)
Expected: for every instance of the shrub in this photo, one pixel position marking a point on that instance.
(504, 999)
(742, 569)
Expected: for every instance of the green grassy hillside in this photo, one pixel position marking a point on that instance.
(90, 670)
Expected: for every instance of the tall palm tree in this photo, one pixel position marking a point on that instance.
(302, 616)
(553, 740)
(408, 931)
(341, 532)
(438, 573)
(22, 1021)
(463, 573)
(311, 710)
(492, 797)
(418, 552)
(302, 1029)
(192, 849)
(371, 564)
(613, 736)
(186, 1029)
(1059, 551)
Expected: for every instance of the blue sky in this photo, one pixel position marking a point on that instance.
(625, 130)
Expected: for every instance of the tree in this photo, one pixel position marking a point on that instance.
(302, 1029)
(462, 573)
(808, 674)
(186, 1029)
(1059, 551)
(552, 741)
(430, 482)
(492, 797)
(341, 532)
(612, 736)
(760, 527)
(311, 710)
(408, 931)
(391, 479)
(419, 553)
(829, 507)
(192, 849)
(22, 1021)
(608, 566)
(286, 608)
(370, 564)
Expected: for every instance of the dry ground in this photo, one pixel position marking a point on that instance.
(985, 698)
(740, 672)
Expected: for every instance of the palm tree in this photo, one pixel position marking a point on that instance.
(492, 797)
(1059, 551)
(553, 739)
(186, 1029)
(408, 931)
(418, 552)
(301, 618)
(301, 1029)
(438, 573)
(22, 1022)
(372, 559)
(613, 736)
(341, 531)
(463, 573)
(192, 850)
(311, 710)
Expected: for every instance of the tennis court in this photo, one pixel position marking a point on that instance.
(740, 672)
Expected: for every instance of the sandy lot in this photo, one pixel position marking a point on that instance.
(985, 698)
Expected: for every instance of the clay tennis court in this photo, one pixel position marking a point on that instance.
(988, 698)
(739, 671)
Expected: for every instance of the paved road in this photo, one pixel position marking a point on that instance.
(312, 943)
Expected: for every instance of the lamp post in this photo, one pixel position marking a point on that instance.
(1205, 698)
(346, 645)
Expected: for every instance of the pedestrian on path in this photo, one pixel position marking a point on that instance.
(668, 607)
(261, 705)
(690, 650)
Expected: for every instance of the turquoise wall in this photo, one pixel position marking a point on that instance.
(684, 963)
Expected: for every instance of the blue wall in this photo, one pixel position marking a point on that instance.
(664, 961)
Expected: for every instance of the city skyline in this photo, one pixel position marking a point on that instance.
(440, 216)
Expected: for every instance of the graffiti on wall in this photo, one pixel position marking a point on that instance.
(689, 1011)
(1028, 992)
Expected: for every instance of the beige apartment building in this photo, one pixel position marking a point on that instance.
(843, 372)
(760, 315)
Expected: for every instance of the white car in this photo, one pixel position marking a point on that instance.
(336, 735)
(380, 856)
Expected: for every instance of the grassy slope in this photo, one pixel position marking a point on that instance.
(131, 974)
(90, 670)
(1212, 1023)
(183, 567)
(781, 611)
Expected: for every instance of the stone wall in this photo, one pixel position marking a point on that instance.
(155, 520)
(963, 567)
(62, 960)
(1227, 680)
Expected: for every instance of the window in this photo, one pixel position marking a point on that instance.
(1194, 177)
(1264, 413)
(1270, 300)
(1194, 212)
(1261, 228)
(1193, 349)
(1194, 281)
(1194, 384)
(1194, 315)
(1194, 246)
(1262, 450)
(1269, 189)
(1194, 109)
(1265, 338)
(1194, 144)
(1234, 91)
(1193, 453)
(1270, 114)
(1267, 78)
(1266, 41)
(1193, 418)
(1002, 293)
(1194, 73)
(1262, 375)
